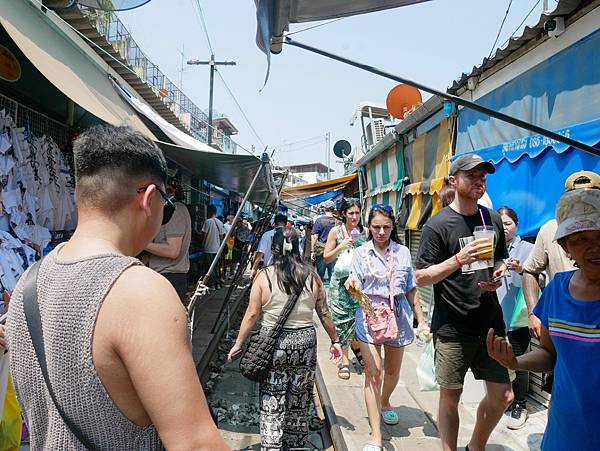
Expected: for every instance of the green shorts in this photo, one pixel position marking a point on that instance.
(454, 357)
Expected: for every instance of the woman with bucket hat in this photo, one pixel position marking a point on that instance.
(569, 311)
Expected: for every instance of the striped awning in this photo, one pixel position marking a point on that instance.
(386, 171)
(393, 198)
(311, 189)
(426, 161)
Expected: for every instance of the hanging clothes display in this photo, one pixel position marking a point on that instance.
(38, 190)
(15, 258)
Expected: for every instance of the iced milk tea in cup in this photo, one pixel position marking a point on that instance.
(486, 233)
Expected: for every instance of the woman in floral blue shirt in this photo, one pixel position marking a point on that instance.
(382, 271)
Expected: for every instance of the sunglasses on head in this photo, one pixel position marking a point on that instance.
(386, 208)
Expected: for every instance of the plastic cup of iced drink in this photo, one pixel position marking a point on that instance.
(485, 233)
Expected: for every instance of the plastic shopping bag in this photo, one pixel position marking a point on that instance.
(426, 369)
(11, 424)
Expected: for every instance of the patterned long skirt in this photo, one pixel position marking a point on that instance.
(343, 310)
(287, 392)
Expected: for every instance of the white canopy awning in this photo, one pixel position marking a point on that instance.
(67, 61)
(173, 133)
(233, 172)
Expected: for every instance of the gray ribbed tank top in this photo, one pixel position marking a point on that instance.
(70, 294)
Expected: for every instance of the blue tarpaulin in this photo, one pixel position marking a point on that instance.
(334, 195)
(562, 93)
(531, 172)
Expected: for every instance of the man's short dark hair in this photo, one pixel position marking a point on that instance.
(109, 164)
(280, 219)
(211, 210)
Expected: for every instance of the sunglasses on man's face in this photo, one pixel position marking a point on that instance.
(386, 208)
(168, 199)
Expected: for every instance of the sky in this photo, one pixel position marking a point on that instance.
(307, 95)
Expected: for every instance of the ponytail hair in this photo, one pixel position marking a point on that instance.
(291, 270)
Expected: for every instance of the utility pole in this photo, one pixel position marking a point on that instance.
(212, 64)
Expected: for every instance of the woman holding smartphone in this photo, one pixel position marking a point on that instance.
(382, 271)
(514, 311)
(341, 242)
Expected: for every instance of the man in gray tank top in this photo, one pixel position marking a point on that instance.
(115, 333)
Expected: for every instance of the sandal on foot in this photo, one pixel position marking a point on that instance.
(344, 372)
(358, 356)
(390, 417)
(371, 447)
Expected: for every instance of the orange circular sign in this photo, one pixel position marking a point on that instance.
(402, 99)
(10, 69)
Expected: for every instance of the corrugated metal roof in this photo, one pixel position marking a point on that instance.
(564, 8)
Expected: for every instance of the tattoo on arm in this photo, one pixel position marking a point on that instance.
(321, 306)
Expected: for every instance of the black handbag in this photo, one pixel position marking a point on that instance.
(257, 358)
(34, 324)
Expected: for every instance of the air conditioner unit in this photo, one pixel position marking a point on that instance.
(375, 131)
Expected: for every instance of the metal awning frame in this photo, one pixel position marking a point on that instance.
(265, 162)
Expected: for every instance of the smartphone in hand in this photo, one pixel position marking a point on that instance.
(497, 278)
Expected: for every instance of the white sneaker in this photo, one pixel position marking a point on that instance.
(518, 417)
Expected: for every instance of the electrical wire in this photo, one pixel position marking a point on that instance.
(206, 34)
(500, 30)
(240, 108)
(203, 24)
(293, 143)
(314, 26)
(305, 146)
(522, 22)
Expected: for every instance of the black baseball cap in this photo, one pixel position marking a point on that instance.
(470, 161)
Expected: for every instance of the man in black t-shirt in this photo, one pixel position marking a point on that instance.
(319, 234)
(466, 305)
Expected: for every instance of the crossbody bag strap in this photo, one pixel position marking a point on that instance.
(34, 325)
(285, 313)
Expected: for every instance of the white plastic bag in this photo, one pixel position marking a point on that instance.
(426, 369)
(343, 264)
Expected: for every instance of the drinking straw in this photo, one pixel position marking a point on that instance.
(482, 220)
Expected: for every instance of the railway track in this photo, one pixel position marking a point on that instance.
(234, 400)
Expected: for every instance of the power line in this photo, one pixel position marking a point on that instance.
(240, 108)
(206, 34)
(522, 22)
(314, 26)
(203, 24)
(320, 138)
(305, 146)
(500, 30)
